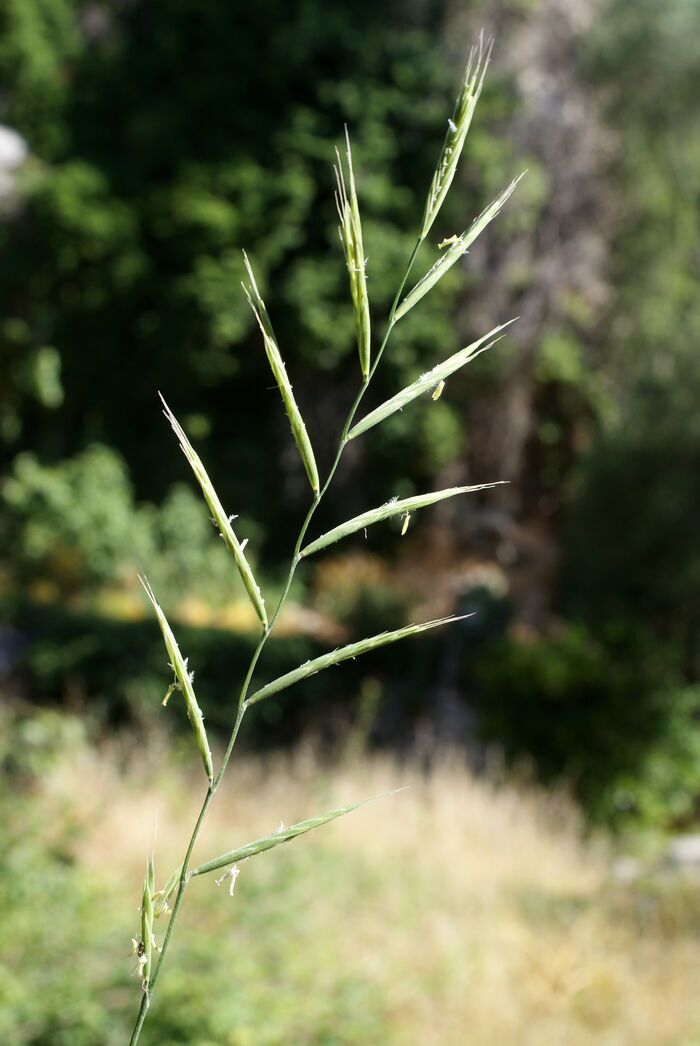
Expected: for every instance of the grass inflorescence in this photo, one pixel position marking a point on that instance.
(156, 903)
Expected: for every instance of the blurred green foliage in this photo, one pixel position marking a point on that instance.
(70, 522)
(358, 590)
(75, 526)
(632, 552)
(47, 909)
(161, 143)
(613, 716)
(118, 672)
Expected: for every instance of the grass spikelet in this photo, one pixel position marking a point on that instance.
(184, 682)
(279, 370)
(282, 835)
(147, 924)
(351, 238)
(457, 128)
(427, 381)
(222, 521)
(456, 248)
(391, 508)
(309, 668)
(162, 897)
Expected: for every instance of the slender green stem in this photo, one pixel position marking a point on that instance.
(143, 1010)
(146, 1000)
(241, 701)
(242, 706)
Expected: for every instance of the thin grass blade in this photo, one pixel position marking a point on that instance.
(279, 370)
(427, 381)
(395, 507)
(457, 128)
(222, 521)
(333, 657)
(184, 680)
(283, 835)
(457, 247)
(351, 238)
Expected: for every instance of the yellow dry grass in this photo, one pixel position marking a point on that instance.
(479, 913)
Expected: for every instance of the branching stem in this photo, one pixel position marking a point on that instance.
(148, 993)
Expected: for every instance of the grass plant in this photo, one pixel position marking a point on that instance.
(156, 903)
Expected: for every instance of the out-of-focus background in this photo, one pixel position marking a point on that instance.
(529, 884)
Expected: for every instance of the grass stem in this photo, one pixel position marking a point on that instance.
(148, 993)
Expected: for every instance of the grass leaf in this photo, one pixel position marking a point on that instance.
(395, 507)
(426, 382)
(222, 521)
(333, 657)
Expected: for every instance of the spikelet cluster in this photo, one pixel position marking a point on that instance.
(351, 238)
(457, 128)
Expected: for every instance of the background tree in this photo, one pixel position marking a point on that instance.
(162, 141)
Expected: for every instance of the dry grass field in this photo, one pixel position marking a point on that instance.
(454, 912)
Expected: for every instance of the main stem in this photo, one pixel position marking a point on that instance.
(148, 991)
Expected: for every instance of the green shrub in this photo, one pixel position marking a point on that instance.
(116, 668)
(632, 552)
(613, 719)
(73, 523)
(74, 527)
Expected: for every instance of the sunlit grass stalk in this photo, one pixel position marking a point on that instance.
(155, 903)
